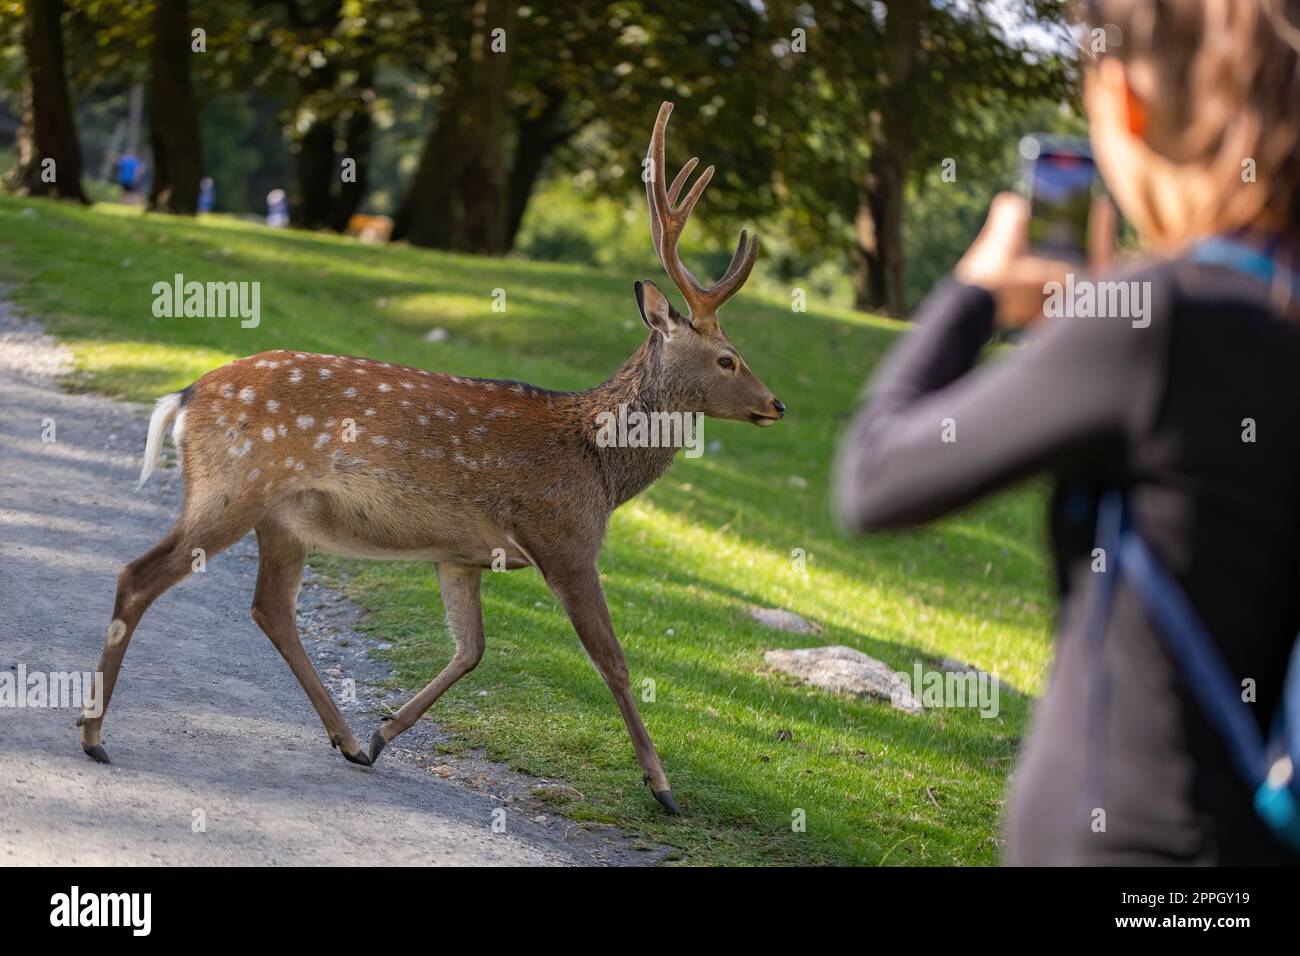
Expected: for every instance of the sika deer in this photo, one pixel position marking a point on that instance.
(375, 460)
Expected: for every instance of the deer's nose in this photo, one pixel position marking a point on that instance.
(779, 406)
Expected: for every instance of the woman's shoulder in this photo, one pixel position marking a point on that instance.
(1189, 286)
(1158, 295)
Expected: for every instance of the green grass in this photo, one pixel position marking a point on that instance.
(683, 564)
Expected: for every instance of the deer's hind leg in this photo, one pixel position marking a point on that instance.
(279, 575)
(462, 597)
(139, 584)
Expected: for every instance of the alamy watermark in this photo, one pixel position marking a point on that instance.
(1094, 299)
(208, 300)
(933, 689)
(22, 688)
(633, 428)
(132, 911)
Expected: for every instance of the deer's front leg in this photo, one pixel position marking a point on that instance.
(461, 597)
(584, 600)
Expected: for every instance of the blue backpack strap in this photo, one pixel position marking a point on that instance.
(1197, 656)
(1110, 520)
(1268, 768)
(1239, 255)
(1234, 254)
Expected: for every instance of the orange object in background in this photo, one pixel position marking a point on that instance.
(370, 228)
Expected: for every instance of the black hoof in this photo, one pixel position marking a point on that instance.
(96, 753)
(665, 797)
(377, 745)
(360, 758)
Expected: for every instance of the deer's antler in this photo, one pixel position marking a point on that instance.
(667, 223)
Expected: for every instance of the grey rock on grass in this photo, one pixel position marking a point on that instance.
(845, 670)
(783, 620)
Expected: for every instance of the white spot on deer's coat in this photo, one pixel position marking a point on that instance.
(422, 419)
(246, 395)
(288, 463)
(306, 421)
(385, 387)
(268, 434)
(227, 391)
(370, 411)
(430, 452)
(282, 430)
(324, 372)
(252, 475)
(239, 451)
(322, 439)
(349, 392)
(378, 440)
(295, 376)
(272, 405)
(407, 385)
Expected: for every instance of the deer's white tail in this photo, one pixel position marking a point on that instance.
(167, 408)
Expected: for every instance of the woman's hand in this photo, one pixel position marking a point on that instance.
(999, 260)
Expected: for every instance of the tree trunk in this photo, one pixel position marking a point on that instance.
(536, 137)
(426, 215)
(878, 250)
(457, 198)
(357, 137)
(483, 180)
(173, 117)
(49, 156)
(314, 173)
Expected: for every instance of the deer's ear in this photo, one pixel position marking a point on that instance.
(656, 311)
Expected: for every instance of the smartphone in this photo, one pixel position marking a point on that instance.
(1058, 177)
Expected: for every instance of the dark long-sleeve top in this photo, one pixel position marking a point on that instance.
(1165, 412)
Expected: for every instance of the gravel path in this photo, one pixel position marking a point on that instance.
(218, 756)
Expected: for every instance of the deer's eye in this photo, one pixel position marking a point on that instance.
(726, 361)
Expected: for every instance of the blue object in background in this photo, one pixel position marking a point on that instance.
(207, 194)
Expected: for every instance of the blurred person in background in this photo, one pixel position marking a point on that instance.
(1193, 418)
(207, 194)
